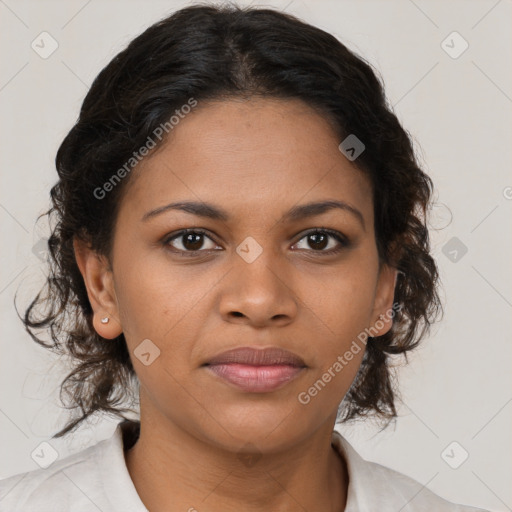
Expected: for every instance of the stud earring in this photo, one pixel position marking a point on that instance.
(381, 317)
(105, 320)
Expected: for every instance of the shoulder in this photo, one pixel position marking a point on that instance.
(70, 483)
(373, 486)
(93, 479)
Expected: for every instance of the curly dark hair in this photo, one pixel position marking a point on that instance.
(220, 52)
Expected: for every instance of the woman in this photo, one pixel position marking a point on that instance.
(241, 239)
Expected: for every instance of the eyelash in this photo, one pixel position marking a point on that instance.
(343, 240)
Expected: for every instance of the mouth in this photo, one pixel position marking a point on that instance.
(256, 370)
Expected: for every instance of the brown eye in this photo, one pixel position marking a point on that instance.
(319, 239)
(190, 240)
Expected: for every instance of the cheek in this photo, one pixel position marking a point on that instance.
(162, 301)
(343, 300)
(341, 307)
(340, 311)
(339, 350)
(146, 295)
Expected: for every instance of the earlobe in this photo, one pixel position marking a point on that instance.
(98, 280)
(107, 325)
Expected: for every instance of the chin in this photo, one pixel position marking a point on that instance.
(271, 427)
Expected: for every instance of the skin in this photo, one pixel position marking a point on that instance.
(194, 425)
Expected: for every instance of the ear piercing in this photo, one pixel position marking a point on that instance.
(105, 320)
(380, 316)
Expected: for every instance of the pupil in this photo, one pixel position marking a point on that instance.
(189, 239)
(315, 237)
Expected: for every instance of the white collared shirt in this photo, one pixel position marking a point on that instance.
(97, 479)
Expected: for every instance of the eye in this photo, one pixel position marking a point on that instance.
(191, 241)
(318, 239)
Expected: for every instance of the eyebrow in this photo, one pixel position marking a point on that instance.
(296, 213)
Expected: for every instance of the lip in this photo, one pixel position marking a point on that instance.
(256, 370)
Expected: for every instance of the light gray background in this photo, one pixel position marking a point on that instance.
(458, 385)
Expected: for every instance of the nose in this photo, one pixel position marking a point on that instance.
(260, 293)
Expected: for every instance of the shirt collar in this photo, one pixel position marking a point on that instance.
(365, 482)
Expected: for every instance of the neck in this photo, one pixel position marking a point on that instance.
(173, 470)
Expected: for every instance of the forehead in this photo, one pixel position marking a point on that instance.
(250, 156)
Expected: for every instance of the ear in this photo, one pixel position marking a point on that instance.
(383, 310)
(98, 279)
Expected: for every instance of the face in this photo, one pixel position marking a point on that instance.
(257, 276)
